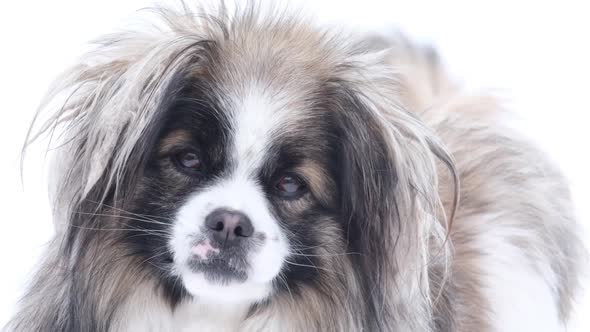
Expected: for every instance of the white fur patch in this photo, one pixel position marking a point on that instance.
(520, 294)
(254, 122)
(265, 262)
(146, 312)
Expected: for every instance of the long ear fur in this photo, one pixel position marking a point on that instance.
(107, 124)
(396, 220)
(104, 118)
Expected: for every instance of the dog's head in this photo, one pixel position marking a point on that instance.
(249, 159)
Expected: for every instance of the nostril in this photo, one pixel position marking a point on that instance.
(238, 231)
(218, 226)
(244, 227)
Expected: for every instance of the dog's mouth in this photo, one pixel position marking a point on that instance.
(219, 270)
(218, 264)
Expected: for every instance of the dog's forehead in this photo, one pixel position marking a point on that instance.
(259, 118)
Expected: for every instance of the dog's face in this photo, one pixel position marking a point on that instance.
(248, 188)
(247, 183)
(251, 166)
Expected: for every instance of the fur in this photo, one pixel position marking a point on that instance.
(424, 212)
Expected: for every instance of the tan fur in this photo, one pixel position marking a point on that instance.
(175, 138)
(439, 142)
(318, 180)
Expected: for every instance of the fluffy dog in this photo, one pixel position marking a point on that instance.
(252, 172)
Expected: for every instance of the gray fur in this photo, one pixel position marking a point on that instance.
(439, 145)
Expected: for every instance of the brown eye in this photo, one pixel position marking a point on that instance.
(188, 160)
(290, 186)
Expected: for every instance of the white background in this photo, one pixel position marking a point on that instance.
(533, 54)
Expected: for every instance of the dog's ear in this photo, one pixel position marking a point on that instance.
(104, 109)
(390, 198)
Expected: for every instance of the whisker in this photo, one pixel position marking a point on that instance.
(281, 277)
(312, 266)
(153, 256)
(308, 247)
(165, 236)
(157, 266)
(149, 221)
(308, 259)
(326, 255)
(148, 216)
(149, 231)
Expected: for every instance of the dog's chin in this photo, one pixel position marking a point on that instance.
(215, 284)
(230, 280)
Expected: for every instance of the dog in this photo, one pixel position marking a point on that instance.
(249, 171)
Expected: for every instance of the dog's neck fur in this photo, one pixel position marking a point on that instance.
(145, 311)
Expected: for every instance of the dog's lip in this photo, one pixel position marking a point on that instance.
(208, 258)
(217, 269)
(218, 263)
(212, 263)
(204, 250)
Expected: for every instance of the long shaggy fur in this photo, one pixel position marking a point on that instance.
(412, 145)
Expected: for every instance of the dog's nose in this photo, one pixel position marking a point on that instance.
(229, 226)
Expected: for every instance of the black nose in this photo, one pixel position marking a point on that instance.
(229, 226)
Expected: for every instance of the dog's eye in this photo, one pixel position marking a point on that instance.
(290, 186)
(188, 160)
